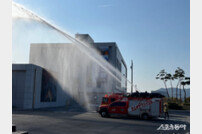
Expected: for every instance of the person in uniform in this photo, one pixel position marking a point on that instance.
(165, 110)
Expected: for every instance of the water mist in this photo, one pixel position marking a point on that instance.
(76, 66)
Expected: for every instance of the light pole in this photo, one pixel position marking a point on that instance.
(131, 67)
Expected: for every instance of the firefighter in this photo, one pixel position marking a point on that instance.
(165, 110)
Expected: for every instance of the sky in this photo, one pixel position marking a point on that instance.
(155, 34)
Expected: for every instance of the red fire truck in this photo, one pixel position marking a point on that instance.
(143, 105)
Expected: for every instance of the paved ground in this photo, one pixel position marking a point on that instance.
(63, 122)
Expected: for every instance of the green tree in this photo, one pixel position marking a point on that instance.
(179, 75)
(185, 82)
(170, 78)
(162, 76)
(180, 92)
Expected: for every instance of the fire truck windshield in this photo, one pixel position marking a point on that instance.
(104, 100)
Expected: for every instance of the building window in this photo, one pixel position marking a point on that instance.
(99, 84)
(105, 52)
(48, 88)
(123, 72)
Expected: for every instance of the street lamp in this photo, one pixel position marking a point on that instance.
(131, 67)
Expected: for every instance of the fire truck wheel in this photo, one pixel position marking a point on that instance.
(145, 116)
(104, 114)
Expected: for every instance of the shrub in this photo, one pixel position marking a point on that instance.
(172, 105)
(188, 100)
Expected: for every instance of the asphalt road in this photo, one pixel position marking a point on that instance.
(63, 122)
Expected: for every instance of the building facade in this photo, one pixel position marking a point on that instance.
(61, 73)
(33, 87)
(112, 54)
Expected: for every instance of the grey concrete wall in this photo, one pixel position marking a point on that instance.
(26, 79)
(75, 72)
(18, 87)
(27, 86)
(115, 59)
(85, 38)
